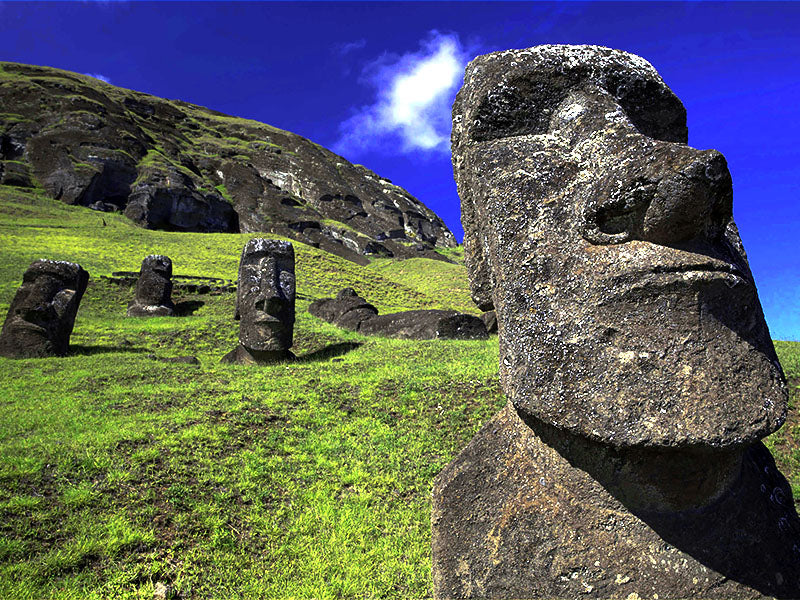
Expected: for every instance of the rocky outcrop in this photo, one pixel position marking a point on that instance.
(176, 166)
(634, 353)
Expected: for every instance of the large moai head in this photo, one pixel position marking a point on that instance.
(42, 313)
(266, 295)
(154, 288)
(627, 311)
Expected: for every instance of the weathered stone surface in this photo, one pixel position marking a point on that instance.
(16, 173)
(42, 314)
(489, 319)
(153, 289)
(633, 350)
(611, 253)
(176, 166)
(265, 302)
(348, 310)
(533, 512)
(426, 325)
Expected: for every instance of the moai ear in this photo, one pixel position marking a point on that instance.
(476, 253)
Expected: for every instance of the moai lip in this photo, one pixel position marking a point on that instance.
(265, 302)
(42, 314)
(153, 289)
(633, 350)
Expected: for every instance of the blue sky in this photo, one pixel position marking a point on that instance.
(374, 81)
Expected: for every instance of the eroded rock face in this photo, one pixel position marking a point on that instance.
(265, 302)
(176, 166)
(42, 314)
(153, 289)
(633, 350)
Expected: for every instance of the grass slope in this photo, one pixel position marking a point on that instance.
(310, 479)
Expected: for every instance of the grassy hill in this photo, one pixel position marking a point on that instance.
(119, 472)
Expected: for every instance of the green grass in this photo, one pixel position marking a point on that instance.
(311, 479)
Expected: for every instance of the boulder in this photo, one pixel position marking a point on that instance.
(348, 310)
(426, 325)
(42, 314)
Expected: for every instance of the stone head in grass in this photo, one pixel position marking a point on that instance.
(42, 313)
(633, 350)
(153, 289)
(265, 302)
(626, 308)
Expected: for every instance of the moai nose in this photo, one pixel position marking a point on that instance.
(693, 200)
(684, 194)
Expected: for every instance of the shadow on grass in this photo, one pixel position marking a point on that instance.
(328, 352)
(88, 350)
(184, 309)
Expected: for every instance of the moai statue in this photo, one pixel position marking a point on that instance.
(154, 289)
(633, 349)
(42, 313)
(265, 303)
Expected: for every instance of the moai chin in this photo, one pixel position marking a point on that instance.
(42, 314)
(633, 350)
(153, 289)
(265, 301)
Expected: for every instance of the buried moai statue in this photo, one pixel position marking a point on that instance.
(265, 300)
(633, 350)
(42, 313)
(153, 289)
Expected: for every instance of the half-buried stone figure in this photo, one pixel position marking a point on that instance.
(633, 350)
(153, 289)
(265, 303)
(42, 313)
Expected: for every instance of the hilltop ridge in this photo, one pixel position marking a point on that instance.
(171, 165)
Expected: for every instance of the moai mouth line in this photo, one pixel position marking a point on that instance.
(639, 368)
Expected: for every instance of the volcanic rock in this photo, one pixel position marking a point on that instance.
(489, 319)
(265, 302)
(42, 314)
(348, 310)
(634, 353)
(426, 325)
(153, 289)
(176, 166)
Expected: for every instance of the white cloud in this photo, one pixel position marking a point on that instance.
(99, 76)
(348, 47)
(413, 97)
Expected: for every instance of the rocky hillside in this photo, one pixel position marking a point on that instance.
(177, 166)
